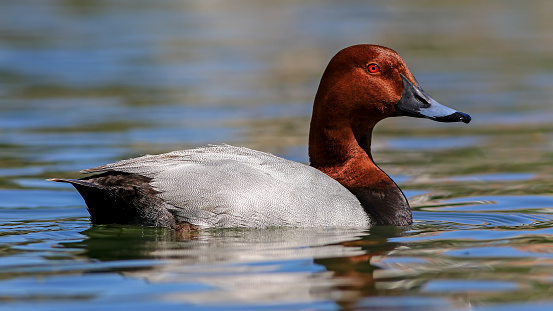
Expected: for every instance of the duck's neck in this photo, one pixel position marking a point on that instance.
(344, 153)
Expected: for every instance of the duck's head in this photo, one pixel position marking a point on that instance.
(362, 85)
(367, 83)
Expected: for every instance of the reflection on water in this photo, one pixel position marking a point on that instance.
(250, 266)
(83, 83)
(291, 268)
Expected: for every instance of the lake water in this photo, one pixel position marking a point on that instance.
(84, 82)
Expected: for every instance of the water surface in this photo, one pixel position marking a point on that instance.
(83, 83)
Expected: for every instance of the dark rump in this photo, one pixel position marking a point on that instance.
(122, 198)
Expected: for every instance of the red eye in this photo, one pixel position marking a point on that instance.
(373, 68)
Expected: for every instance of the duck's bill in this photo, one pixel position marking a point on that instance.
(416, 103)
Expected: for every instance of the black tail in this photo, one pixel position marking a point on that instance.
(74, 182)
(121, 198)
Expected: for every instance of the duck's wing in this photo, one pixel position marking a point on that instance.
(226, 186)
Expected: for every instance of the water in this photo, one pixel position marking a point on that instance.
(83, 83)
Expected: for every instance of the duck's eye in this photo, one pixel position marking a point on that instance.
(373, 68)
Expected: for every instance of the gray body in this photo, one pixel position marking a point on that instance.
(225, 186)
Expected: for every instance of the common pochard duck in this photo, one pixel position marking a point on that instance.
(224, 186)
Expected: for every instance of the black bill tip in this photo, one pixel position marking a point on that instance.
(465, 118)
(454, 117)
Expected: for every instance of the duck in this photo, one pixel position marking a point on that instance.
(223, 186)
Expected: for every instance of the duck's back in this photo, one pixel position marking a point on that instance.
(226, 186)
